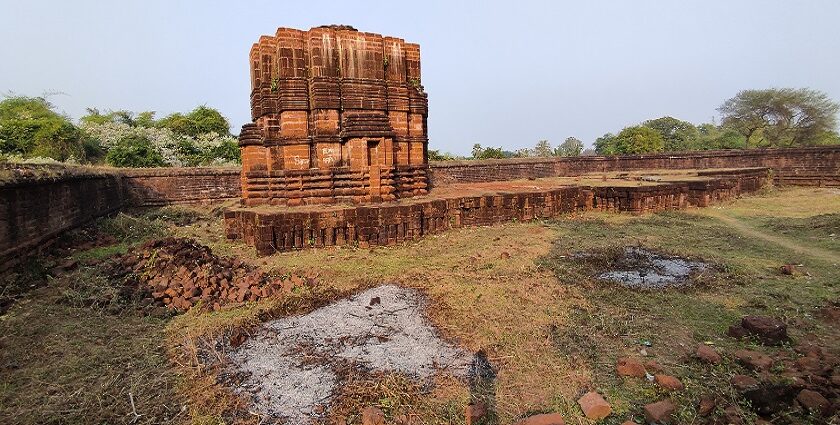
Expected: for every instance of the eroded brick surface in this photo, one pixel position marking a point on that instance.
(337, 114)
(164, 186)
(37, 205)
(271, 230)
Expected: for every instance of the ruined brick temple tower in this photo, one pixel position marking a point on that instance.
(337, 114)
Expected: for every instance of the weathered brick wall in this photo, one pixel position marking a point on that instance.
(806, 166)
(161, 186)
(38, 206)
(38, 203)
(386, 224)
(802, 166)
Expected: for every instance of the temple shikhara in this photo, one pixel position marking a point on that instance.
(337, 115)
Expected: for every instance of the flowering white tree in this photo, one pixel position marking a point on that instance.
(177, 150)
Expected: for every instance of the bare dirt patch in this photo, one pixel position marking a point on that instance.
(292, 367)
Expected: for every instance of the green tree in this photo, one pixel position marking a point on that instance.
(134, 151)
(200, 120)
(827, 138)
(189, 153)
(494, 153)
(780, 117)
(92, 148)
(178, 123)
(520, 153)
(228, 150)
(145, 119)
(193, 153)
(125, 117)
(711, 136)
(95, 117)
(637, 140)
(606, 145)
(29, 126)
(572, 146)
(543, 148)
(437, 155)
(678, 135)
(477, 150)
(207, 120)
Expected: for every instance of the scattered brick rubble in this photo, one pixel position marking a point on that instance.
(668, 382)
(473, 413)
(594, 406)
(767, 330)
(630, 367)
(659, 412)
(180, 273)
(831, 313)
(372, 416)
(774, 381)
(707, 354)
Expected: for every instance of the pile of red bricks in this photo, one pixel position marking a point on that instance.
(180, 273)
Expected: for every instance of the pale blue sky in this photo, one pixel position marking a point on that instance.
(497, 72)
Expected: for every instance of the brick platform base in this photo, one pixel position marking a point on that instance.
(282, 229)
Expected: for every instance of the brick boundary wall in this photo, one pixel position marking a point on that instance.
(815, 166)
(38, 202)
(34, 207)
(276, 230)
(37, 205)
(812, 166)
(163, 186)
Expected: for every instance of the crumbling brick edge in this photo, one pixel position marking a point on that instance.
(280, 229)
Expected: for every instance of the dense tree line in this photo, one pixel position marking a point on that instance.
(753, 118)
(31, 130)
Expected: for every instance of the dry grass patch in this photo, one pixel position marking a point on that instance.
(63, 364)
(486, 293)
(548, 328)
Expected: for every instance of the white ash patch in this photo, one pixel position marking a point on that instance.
(290, 364)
